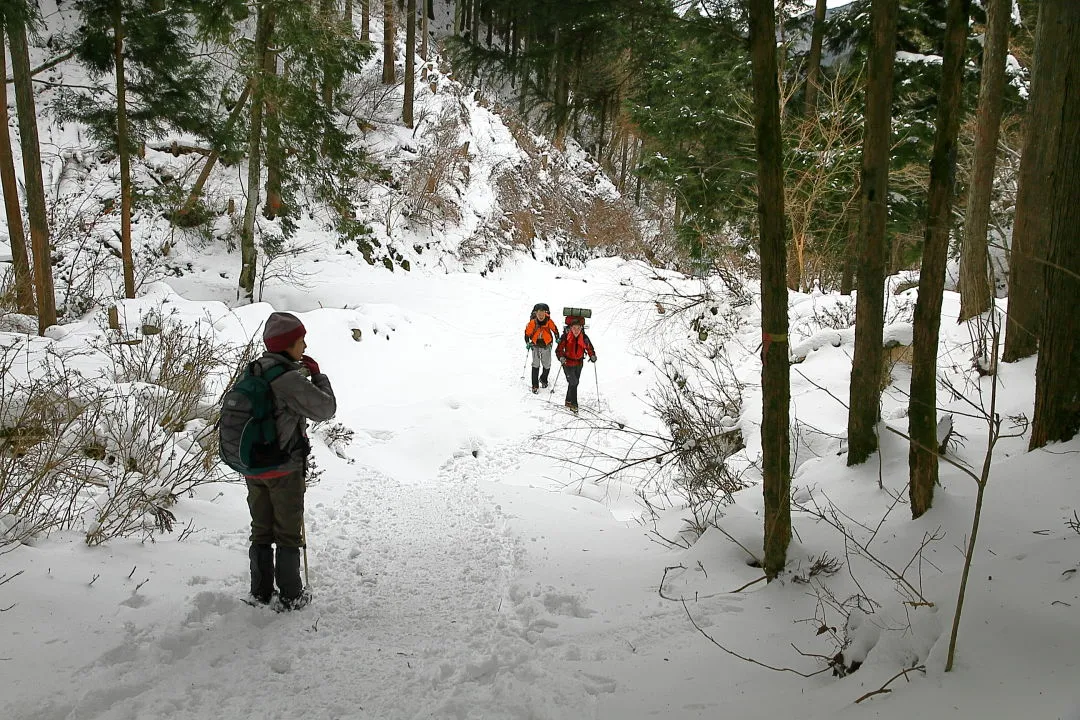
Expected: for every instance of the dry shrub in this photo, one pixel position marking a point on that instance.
(700, 402)
(47, 443)
(115, 448)
(611, 223)
(436, 180)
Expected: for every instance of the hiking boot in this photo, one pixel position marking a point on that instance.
(289, 583)
(571, 407)
(295, 603)
(535, 390)
(262, 572)
(543, 384)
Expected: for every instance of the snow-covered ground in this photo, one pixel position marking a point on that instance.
(461, 570)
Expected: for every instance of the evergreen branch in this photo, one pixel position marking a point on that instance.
(46, 66)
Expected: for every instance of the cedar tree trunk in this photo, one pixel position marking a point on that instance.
(865, 389)
(1057, 376)
(922, 402)
(975, 291)
(34, 186)
(776, 391)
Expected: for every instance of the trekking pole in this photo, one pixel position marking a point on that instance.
(596, 376)
(556, 381)
(527, 353)
(303, 535)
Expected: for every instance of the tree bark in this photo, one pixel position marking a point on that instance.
(865, 388)
(275, 154)
(1033, 198)
(326, 15)
(388, 74)
(34, 186)
(123, 150)
(410, 63)
(248, 255)
(774, 307)
(208, 166)
(975, 288)
(347, 15)
(20, 258)
(813, 61)
(424, 30)
(922, 402)
(1057, 375)
(365, 20)
(474, 23)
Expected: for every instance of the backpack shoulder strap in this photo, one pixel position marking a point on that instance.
(275, 372)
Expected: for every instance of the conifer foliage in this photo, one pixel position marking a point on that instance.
(158, 84)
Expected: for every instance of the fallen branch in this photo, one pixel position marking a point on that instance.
(885, 688)
(744, 658)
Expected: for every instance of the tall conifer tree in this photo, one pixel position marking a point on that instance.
(20, 258)
(776, 390)
(866, 367)
(17, 16)
(922, 402)
(1057, 375)
(158, 83)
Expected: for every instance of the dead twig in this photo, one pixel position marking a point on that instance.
(885, 688)
(745, 658)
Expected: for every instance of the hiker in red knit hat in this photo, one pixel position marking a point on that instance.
(276, 498)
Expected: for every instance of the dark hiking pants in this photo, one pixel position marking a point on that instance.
(277, 517)
(277, 510)
(573, 376)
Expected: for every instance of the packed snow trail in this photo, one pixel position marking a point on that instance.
(408, 580)
(417, 611)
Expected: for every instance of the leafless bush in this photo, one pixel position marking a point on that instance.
(48, 417)
(699, 403)
(276, 263)
(80, 247)
(836, 316)
(366, 98)
(435, 178)
(684, 460)
(115, 447)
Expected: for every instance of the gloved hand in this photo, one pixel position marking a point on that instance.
(592, 358)
(528, 345)
(309, 362)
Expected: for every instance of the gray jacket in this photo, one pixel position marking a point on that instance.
(296, 400)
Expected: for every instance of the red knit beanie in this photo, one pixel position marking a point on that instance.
(281, 331)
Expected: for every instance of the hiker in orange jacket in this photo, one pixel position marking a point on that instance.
(572, 349)
(541, 334)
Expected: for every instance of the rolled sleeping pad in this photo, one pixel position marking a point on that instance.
(577, 312)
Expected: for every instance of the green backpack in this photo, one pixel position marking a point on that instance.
(247, 429)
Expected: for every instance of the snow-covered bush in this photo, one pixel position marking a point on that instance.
(112, 437)
(699, 402)
(47, 443)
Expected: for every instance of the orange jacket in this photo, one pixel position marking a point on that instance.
(541, 334)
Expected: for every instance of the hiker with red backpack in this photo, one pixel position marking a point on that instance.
(571, 352)
(263, 435)
(541, 334)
